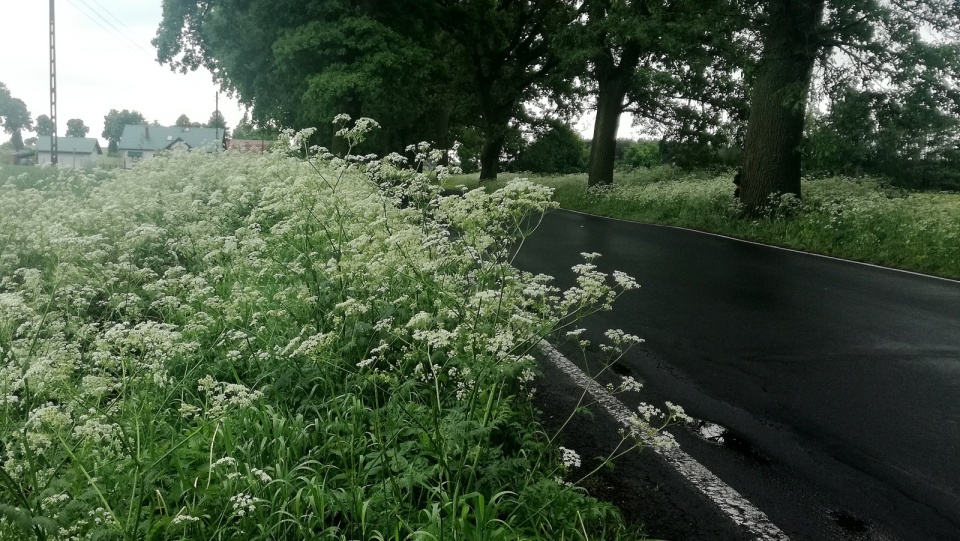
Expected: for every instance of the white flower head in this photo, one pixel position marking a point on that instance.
(569, 457)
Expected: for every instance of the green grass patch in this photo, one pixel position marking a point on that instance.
(859, 219)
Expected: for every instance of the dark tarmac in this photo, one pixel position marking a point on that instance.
(834, 386)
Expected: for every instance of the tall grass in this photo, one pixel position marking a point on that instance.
(227, 346)
(861, 219)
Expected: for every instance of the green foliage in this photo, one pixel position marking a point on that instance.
(44, 125)
(217, 120)
(862, 219)
(470, 141)
(113, 124)
(247, 130)
(76, 128)
(910, 49)
(900, 135)
(15, 116)
(301, 63)
(183, 121)
(266, 347)
(557, 149)
(640, 154)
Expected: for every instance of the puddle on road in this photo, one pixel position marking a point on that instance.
(621, 369)
(720, 435)
(849, 522)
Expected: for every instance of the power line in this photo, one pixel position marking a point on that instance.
(112, 16)
(105, 29)
(121, 32)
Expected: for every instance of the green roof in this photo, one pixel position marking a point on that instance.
(140, 137)
(73, 145)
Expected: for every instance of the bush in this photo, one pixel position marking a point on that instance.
(641, 154)
(558, 150)
(235, 345)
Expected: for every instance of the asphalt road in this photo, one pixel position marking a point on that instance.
(838, 384)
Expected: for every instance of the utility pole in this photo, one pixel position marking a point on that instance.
(53, 86)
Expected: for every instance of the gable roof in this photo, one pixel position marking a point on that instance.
(141, 137)
(73, 145)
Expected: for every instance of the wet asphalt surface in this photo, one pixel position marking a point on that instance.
(835, 386)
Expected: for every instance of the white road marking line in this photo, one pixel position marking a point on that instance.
(741, 511)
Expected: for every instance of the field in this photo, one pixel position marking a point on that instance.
(860, 219)
(265, 347)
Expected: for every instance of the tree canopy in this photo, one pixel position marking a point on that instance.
(44, 125)
(15, 117)
(863, 43)
(76, 128)
(113, 124)
(183, 121)
(702, 75)
(300, 63)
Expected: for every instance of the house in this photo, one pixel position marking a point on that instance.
(71, 151)
(140, 142)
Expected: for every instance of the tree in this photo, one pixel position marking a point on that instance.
(673, 64)
(249, 130)
(558, 149)
(877, 43)
(15, 115)
(76, 128)
(183, 121)
(300, 65)
(511, 56)
(113, 124)
(217, 121)
(44, 126)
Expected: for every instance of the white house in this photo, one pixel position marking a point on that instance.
(71, 151)
(140, 142)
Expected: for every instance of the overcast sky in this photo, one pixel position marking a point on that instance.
(104, 61)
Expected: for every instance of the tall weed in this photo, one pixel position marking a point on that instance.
(280, 346)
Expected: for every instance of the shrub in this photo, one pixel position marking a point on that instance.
(641, 154)
(558, 150)
(235, 345)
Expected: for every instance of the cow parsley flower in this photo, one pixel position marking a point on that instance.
(569, 458)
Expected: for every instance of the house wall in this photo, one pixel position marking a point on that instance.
(68, 159)
(129, 162)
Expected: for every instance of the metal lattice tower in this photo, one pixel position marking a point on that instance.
(53, 86)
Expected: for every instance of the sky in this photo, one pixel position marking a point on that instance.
(104, 61)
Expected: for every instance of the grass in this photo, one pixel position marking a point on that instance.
(860, 219)
(236, 345)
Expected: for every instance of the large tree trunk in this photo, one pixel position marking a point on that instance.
(493, 139)
(778, 102)
(603, 147)
(16, 139)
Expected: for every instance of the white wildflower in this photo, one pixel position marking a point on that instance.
(263, 476)
(244, 503)
(630, 384)
(569, 457)
(182, 518)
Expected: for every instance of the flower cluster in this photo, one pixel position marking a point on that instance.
(213, 339)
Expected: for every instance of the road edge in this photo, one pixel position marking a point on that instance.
(729, 501)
